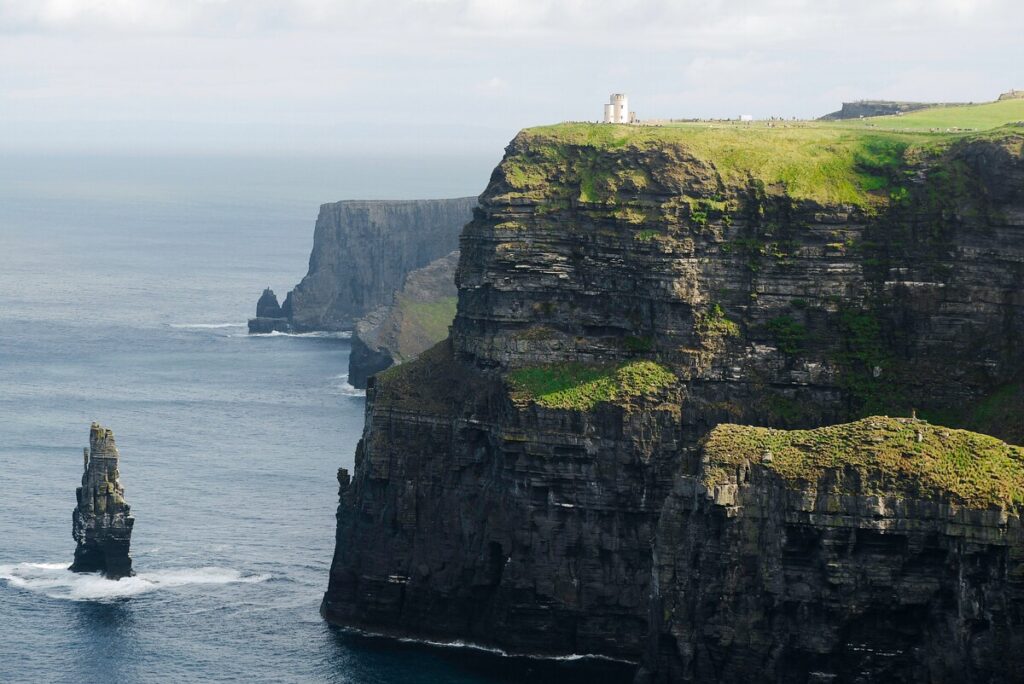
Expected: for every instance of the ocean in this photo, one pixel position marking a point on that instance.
(125, 284)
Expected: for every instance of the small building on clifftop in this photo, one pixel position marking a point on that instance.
(617, 110)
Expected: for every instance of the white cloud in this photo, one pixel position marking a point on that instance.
(310, 66)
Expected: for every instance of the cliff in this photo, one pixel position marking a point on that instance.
(623, 291)
(362, 252)
(416, 319)
(102, 521)
(883, 550)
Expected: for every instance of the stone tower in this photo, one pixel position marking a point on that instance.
(102, 521)
(617, 109)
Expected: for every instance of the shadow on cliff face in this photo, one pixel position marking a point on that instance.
(370, 660)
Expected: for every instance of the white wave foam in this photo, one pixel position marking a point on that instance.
(56, 581)
(458, 643)
(342, 335)
(345, 389)
(206, 326)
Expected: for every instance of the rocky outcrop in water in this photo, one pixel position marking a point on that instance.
(102, 522)
(270, 316)
(417, 318)
(362, 252)
(535, 482)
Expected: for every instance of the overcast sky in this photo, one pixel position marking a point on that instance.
(420, 76)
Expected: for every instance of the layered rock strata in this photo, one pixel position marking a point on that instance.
(416, 319)
(102, 522)
(362, 252)
(770, 566)
(507, 491)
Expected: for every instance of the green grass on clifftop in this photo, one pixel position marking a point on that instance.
(895, 455)
(979, 117)
(833, 162)
(581, 386)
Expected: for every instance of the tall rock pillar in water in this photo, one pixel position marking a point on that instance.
(102, 521)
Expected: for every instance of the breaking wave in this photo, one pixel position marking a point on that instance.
(343, 387)
(205, 326)
(468, 645)
(342, 335)
(56, 581)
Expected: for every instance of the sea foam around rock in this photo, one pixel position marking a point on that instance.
(56, 581)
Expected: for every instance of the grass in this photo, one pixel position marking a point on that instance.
(900, 456)
(712, 325)
(580, 387)
(811, 162)
(423, 324)
(980, 117)
(836, 162)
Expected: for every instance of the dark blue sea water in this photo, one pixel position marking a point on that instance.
(124, 288)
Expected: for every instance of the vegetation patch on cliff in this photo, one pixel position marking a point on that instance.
(581, 386)
(423, 323)
(900, 456)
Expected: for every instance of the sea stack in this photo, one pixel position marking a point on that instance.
(102, 521)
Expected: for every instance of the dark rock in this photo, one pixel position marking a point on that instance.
(476, 514)
(417, 318)
(364, 361)
(262, 326)
(267, 306)
(270, 317)
(102, 521)
(842, 578)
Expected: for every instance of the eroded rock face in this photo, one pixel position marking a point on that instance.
(362, 252)
(474, 515)
(416, 319)
(102, 521)
(849, 576)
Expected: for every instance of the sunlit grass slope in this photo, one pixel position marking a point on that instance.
(825, 161)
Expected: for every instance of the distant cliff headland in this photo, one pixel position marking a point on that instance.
(384, 270)
(658, 430)
(362, 252)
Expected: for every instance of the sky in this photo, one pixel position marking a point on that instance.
(423, 77)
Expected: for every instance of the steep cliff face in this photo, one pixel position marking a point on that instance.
(362, 252)
(622, 291)
(416, 319)
(883, 550)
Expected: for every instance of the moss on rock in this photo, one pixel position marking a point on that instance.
(900, 456)
(581, 386)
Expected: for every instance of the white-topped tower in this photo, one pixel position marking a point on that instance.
(617, 109)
